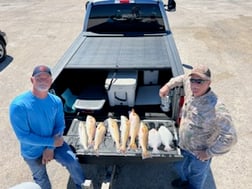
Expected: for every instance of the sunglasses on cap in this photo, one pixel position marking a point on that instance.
(197, 81)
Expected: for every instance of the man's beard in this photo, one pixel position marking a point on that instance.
(42, 88)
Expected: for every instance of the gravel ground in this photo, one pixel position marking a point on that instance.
(216, 33)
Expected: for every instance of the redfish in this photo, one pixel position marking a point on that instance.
(90, 127)
(114, 131)
(83, 135)
(99, 135)
(134, 128)
(143, 140)
(125, 129)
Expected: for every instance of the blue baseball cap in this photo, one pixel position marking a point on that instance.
(41, 69)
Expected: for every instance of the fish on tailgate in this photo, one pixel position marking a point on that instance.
(90, 127)
(114, 131)
(99, 136)
(125, 129)
(134, 128)
(166, 137)
(143, 140)
(154, 140)
(83, 135)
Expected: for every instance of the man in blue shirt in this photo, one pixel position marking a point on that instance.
(37, 118)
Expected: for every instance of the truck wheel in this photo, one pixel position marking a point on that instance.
(2, 51)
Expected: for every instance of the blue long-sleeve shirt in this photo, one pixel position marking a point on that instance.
(35, 122)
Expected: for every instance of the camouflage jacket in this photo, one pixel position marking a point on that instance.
(206, 124)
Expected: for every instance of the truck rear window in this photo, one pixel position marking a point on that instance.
(123, 18)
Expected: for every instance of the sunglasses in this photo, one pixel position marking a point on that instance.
(197, 81)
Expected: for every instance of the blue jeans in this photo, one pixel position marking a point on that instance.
(193, 170)
(66, 158)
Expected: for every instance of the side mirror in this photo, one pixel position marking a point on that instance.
(86, 4)
(171, 7)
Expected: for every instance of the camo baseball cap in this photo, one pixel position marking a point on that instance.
(41, 69)
(202, 71)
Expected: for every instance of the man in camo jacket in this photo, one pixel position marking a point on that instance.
(206, 128)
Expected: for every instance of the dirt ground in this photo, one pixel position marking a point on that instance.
(215, 33)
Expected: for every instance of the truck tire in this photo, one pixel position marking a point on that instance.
(2, 51)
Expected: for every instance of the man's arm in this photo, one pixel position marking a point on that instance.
(173, 82)
(59, 120)
(227, 137)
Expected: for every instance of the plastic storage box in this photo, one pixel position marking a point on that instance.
(121, 88)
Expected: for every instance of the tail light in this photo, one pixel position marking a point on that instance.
(181, 102)
(124, 1)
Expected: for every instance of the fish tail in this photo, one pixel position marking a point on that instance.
(123, 149)
(95, 148)
(146, 154)
(155, 151)
(167, 148)
(97, 153)
(118, 146)
(133, 146)
(90, 144)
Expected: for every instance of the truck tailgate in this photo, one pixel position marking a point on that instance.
(107, 150)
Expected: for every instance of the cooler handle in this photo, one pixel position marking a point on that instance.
(120, 99)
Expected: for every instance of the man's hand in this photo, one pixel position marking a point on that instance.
(48, 155)
(164, 91)
(202, 155)
(58, 141)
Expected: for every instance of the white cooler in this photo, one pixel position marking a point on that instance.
(121, 87)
